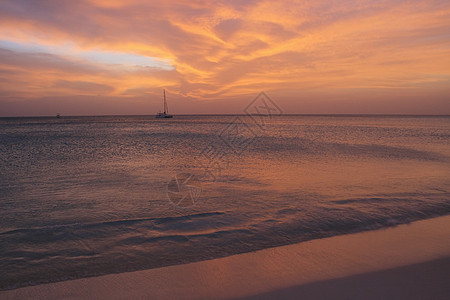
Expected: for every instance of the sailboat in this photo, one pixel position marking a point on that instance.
(164, 114)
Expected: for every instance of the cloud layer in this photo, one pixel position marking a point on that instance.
(225, 52)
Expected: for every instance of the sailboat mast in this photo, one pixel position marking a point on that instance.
(165, 103)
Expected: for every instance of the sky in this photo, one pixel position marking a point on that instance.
(108, 57)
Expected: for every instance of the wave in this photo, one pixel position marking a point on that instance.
(313, 147)
(160, 220)
(81, 250)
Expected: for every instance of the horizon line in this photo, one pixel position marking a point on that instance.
(240, 114)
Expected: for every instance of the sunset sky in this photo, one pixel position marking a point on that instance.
(100, 57)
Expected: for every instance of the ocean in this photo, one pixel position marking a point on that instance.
(85, 196)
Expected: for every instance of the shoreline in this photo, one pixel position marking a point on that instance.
(321, 266)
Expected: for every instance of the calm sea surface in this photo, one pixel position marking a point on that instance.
(83, 196)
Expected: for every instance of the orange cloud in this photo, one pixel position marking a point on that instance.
(219, 50)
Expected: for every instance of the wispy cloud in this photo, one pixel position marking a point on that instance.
(209, 50)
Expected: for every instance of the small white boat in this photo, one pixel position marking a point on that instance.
(164, 114)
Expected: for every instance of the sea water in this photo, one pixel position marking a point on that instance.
(84, 196)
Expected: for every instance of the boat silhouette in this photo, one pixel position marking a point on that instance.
(165, 113)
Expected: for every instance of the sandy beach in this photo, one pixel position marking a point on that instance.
(404, 262)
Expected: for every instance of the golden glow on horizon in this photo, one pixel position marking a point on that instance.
(225, 50)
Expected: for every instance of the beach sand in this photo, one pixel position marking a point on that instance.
(409, 261)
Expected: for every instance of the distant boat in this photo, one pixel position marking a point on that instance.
(58, 115)
(164, 114)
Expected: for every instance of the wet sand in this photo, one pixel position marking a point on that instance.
(428, 280)
(404, 262)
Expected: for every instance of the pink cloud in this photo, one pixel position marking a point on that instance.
(229, 49)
